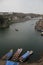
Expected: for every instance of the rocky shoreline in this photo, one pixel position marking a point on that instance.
(39, 25)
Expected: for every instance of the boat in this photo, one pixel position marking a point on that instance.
(25, 56)
(8, 55)
(16, 54)
(16, 29)
(11, 63)
(41, 33)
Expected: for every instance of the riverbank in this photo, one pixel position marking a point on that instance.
(40, 62)
(39, 25)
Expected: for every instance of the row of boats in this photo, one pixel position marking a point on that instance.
(17, 55)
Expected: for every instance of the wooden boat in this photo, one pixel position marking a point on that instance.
(17, 54)
(8, 55)
(25, 56)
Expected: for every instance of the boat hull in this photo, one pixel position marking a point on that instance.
(25, 56)
(8, 55)
(17, 54)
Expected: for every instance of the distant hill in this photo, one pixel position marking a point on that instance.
(6, 18)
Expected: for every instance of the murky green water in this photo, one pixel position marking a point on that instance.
(26, 38)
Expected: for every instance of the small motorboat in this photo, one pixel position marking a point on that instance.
(16, 29)
(25, 56)
(12, 63)
(8, 55)
(41, 33)
(17, 54)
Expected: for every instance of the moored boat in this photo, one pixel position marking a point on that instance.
(25, 56)
(41, 33)
(16, 29)
(17, 54)
(8, 55)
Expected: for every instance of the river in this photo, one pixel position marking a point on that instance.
(26, 38)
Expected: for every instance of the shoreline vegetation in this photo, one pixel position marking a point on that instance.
(7, 18)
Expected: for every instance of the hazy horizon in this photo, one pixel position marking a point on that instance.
(23, 6)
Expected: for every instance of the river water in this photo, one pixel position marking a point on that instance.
(26, 38)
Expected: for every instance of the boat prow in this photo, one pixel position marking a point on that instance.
(11, 50)
(31, 52)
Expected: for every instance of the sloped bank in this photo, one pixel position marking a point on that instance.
(3, 22)
(40, 62)
(39, 25)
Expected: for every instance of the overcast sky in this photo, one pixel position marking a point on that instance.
(26, 6)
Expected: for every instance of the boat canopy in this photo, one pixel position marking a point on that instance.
(11, 63)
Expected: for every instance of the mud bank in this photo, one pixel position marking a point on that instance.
(40, 62)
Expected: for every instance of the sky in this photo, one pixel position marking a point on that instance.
(24, 6)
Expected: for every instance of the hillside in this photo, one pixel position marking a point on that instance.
(7, 18)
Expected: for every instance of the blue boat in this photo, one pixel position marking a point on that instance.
(25, 56)
(8, 55)
(11, 63)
